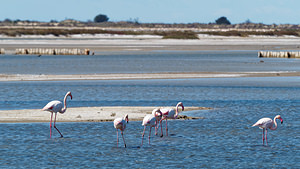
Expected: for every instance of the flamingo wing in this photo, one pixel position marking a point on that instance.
(53, 106)
(168, 112)
(165, 111)
(120, 123)
(264, 123)
(149, 120)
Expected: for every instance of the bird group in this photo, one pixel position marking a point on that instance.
(152, 120)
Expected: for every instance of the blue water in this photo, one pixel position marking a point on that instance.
(146, 62)
(223, 139)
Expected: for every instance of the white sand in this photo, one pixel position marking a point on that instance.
(80, 114)
(105, 42)
(136, 76)
(125, 76)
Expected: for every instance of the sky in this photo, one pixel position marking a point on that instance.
(155, 11)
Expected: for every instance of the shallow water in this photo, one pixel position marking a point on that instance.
(146, 62)
(223, 139)
(192, 143)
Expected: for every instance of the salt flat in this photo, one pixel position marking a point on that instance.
(105, 42)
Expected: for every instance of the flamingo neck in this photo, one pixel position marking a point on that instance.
(275, 124)
(65, 104)
(126, 118)
(176, 112)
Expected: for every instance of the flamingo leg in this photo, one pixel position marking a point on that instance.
(156, 126)
(266, 136)
(156, 123)
(51, 125)
(149, 134)
(161, 126)
(166, 126)
(56, 127)
(117, 137)
(143, 135)
(123, 139)
(263, 136)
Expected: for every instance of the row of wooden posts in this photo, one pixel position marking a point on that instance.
(76, 51)
(49, 51)
(279, 54)
(2, 51)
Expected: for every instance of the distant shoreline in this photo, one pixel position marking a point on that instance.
(119, 43)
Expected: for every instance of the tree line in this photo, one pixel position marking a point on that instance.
(104, 18)
(219, 21)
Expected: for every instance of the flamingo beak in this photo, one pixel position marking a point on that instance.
(182, 108)
(281, 121)
(71, 96)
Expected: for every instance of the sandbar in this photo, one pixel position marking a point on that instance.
(142, 76)
(82, 114)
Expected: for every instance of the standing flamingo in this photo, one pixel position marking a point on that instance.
(152, 121)
(169, 113)
(265, 124)
(120, 123)
(54, 107)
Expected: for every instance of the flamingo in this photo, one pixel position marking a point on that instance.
(120, 124)
(267, 123)
(57, 106)
(152, 121)
(169, 113)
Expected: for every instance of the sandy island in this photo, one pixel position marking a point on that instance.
(83, 114)
(141, 76)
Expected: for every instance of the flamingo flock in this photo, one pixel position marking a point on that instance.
(152, 120)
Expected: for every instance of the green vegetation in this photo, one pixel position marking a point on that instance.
(101, 18)
(165, 34)
(65, 32)
(178, 35)
(248, 33)
(223, 20)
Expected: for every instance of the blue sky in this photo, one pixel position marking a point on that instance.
(155, 11)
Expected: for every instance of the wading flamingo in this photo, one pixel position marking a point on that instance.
(152, 121)
(169, 113)
(120, 123)
(54, 107)
(265, 124)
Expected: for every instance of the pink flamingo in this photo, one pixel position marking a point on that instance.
(54, 107)
(120, 123)
(152, 121)
(265, 124)
(169, 113)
